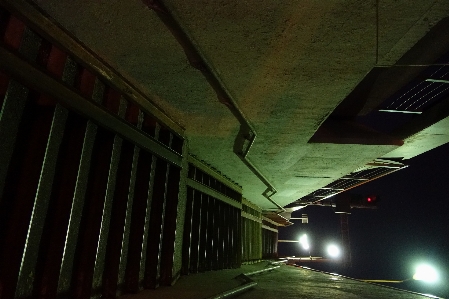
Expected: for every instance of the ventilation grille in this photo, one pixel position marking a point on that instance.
(350, 181)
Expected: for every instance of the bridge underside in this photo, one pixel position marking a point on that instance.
(144, 140)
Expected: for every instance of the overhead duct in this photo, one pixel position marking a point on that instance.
(246, 135)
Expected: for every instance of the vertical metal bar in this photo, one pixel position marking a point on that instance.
(187, 234)
(210, 234)
(259, 225)
(107, 209)
(65, 275)
(127, 226)
(10, 116)
(203, 233)
(196, 222)
(20, 188)
(17, 36)
(344, 230)
(220, 237)
(259, 240)
(138, 221)
(92, 213)
(264, 243)
(29, 259)
(63, 187)
(143, 253)
(180, 213)
(235, 238)
(135, 116)
(106, 218)
(246, 239)
(249, 230)
(243, 235)
(118, 214)
(4, 82)
(231, 237)
(215, 234)
(70, 74)
(227, 219)
(239, 237)
(255, 241)
(264, 255)
(169, 228)
(156, 229)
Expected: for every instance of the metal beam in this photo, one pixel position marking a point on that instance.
(43, 82)
(209, 191)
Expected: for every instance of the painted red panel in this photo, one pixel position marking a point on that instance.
(132, 113)
(85, 82)
(111, 100)
(14, 32)
(149, 124)
(56, 61)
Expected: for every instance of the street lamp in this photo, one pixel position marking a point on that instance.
(304, 241)
(333, 251)
(425, 273)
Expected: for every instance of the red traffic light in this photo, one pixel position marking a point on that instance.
(371, 199)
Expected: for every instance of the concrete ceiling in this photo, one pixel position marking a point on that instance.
(287, 65)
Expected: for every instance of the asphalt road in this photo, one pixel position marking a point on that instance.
(283, 282)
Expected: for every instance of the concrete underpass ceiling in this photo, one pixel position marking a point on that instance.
(287, 66)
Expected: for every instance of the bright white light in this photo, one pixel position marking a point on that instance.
(304, 242)
(425, 273)
(333, 250)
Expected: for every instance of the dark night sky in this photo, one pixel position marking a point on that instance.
(411, 225)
